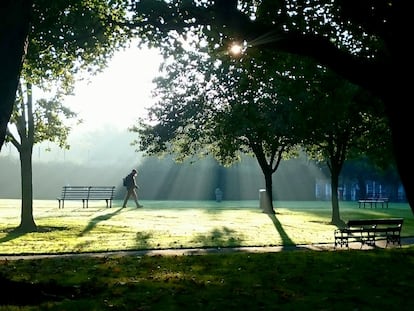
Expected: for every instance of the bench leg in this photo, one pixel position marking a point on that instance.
(368, 239)
(341, 239)
(394, 239)
(108, 203)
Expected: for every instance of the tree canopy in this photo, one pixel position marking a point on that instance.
(220, 106)
(363, 41)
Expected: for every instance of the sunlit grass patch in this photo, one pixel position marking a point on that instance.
(176, 224)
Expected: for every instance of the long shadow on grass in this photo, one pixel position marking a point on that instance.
(14, 233)
(23, 293)
(286, 241)
(94, 221)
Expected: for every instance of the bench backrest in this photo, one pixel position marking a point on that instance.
(101, 192)
(378, 199)
(74, 192)
(397, 222)
(88, 192)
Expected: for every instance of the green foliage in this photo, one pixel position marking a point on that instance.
(219, 105)
(66, 39)
(345, 121)
(72, 36)
(44, 120)
(261, 103)
(288, 280)
(49, 122)
(358, 40)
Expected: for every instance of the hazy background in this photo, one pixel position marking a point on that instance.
(101, 153)
(112, 158)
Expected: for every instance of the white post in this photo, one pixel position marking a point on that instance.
(264, 201)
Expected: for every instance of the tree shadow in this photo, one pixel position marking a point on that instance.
(142, 240)
(94, 221)
(223, 237)
(286, 240)
(340, 223)
(25, 293)
(14, 233)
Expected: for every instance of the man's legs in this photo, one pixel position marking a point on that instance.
(128, 194)
(131, 192)
(134, 195)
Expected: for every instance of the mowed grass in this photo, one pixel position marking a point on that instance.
(291, 280)
(373, 279)
(177, 224)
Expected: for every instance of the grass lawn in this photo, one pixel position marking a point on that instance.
(177, 224)
(377, 279)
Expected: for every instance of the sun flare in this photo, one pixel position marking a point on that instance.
(236, 49)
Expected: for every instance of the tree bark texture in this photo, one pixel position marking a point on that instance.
(27, 223)
(14, 29)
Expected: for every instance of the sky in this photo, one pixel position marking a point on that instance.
(117, 96)
(108, 104)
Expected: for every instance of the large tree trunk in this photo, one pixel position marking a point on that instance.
(14, 29)
(27, 223)
(405, 163)
(269, 192)
(398, 102)
(26, 131)
(266, 199)
(336, 219)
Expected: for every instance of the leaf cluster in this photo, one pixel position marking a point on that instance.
(215, 105)
(43, 120)
(68, 37)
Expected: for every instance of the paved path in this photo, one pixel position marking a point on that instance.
(406, 241)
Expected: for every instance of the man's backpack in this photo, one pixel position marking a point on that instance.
(126, 181)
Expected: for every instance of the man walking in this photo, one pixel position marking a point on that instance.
(131, 185)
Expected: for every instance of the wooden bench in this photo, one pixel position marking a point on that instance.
(368, 231)
(87, 193)
(373, 202)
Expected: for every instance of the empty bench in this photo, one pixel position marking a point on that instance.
(368, 231)
(373, 202)
(87, 193)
